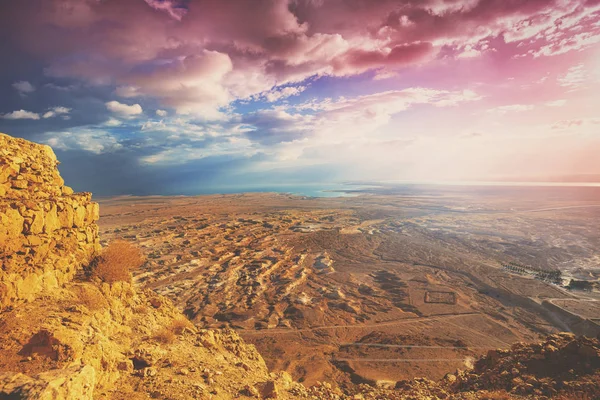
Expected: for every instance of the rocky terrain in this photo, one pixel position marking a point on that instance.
(47, 232)
(64, 336)
(375, 288)
(67, 334)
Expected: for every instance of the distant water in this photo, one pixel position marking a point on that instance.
(309, 190)
(401, 188)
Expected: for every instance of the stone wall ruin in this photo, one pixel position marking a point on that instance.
(47, 232)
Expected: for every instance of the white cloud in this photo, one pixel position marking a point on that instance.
(578, 42)
(21, 114)
(384, 74)
(511, 108)
(293, 132)
(574, 78)
(124, 110)
(276, 94)
(184, 152)
(169, 6)
(469, 52)
(128, 91)
(556, 103)
(161, 113)
(191, 85)
(113, 122)
(23, 87)
(91, 140)
(53, 112)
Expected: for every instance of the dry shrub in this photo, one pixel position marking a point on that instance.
(143, 310)
(90, 297)
(178, 326)
(117, 260)
(165, 336)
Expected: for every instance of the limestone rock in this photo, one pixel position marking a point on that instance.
(36, 213)
(70, 383)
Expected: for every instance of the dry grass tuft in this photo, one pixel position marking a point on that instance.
(165, 336)
(117, 260)
(141, 310)
(168, 334)
(90, 297)
(178, 326)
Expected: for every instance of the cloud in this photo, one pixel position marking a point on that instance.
(276, 126)
(124, 110)
(161, 113)
(279, 93)
(345, 118)
(23, 87)
(176, 9)
(53, 112)
(565, 45)
(589, 125)
(469, 52)
(556, 103)
(112, 122)
(511, 108)
(128, 91)
(359, 60)
(91, 140)
(185, 153)
(220, 52)
(21, 114)
(192, 85)
(382, 74)
(574, 78)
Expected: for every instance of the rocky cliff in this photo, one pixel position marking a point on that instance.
(47, 232)
(66, 336)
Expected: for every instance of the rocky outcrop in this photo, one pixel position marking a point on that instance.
(561, 363)
(47, 232)
(134, 341)
(70, 383)
(62, 337)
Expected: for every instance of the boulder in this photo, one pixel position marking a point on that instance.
(70, 383)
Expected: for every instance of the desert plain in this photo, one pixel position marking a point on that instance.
(380, 284)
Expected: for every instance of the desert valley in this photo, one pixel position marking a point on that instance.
(384, 285)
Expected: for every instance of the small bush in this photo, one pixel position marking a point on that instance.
(165, 336)
(90, 297)
(178, 326)
(117, 260)
(143, 310)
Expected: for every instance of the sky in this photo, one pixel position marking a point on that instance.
(198, 96)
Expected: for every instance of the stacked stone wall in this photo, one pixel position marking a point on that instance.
(47, 232)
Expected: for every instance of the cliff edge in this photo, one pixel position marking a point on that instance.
(47, 232)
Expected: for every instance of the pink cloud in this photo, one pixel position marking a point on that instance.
(214, 52)
(356, 61)
(172, 7)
